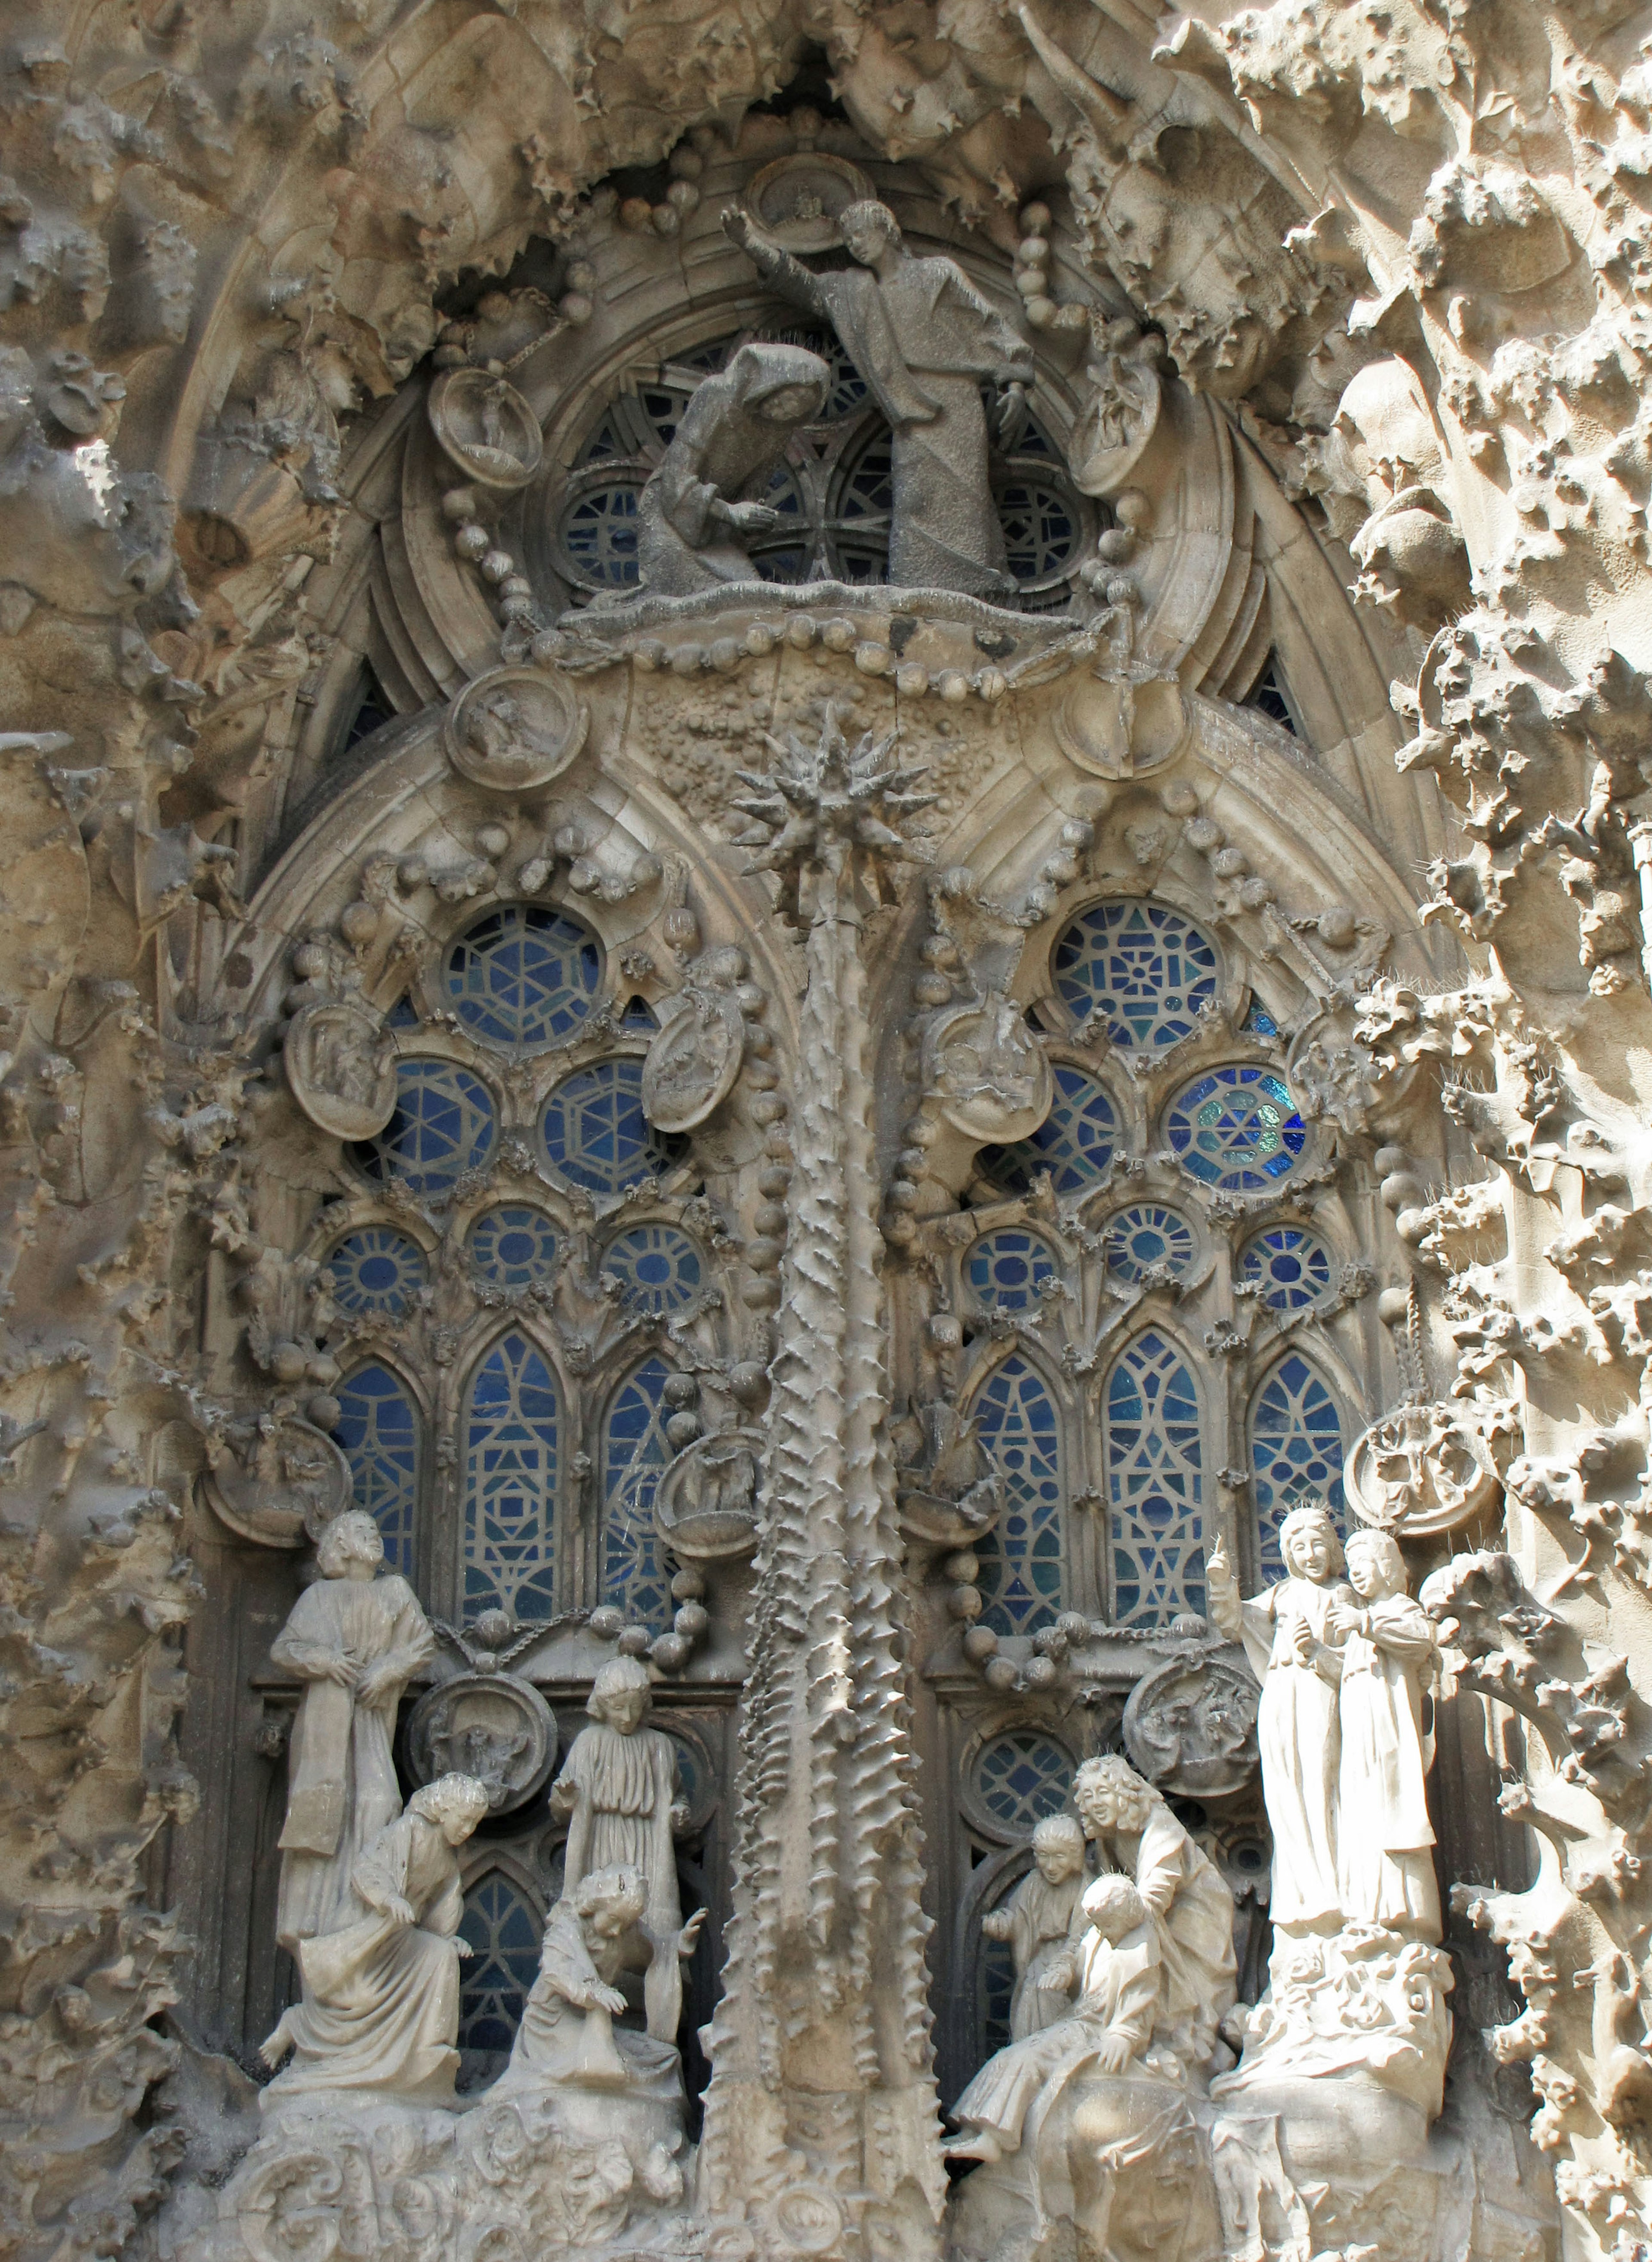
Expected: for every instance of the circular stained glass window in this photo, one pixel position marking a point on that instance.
(598, 534)
(1145, 1238)
(1007, 1269)
(596, 1134)
(443, 1125)
(658, 1267)
(1075, 1143)
(863, 498)
(377, 1270)
(513, 1246)
(1236, 1129)
(523, 975)
(1145, 969)
(1023, 1777)
(1290, 1266)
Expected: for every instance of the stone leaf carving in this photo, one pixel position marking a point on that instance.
(491, 1726)
(692, 1063)
(515, 730)
(485, 426)
(705, 1507)
(1190, 1724)
(988, 1071)
(340, 1063)
(1424, 1471)
(277, 1480)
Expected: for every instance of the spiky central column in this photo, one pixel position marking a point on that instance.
(821, 2126)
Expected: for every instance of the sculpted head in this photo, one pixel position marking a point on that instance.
(866, 227)
(620, 1695)
(351, 1547)
(1058, 1847)
(611, 1901)
(1308, 1541)
(455, 1802)
(1114, 1907)
(1377, 1569)
(1110, 1796)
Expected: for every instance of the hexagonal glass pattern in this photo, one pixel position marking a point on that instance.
(522, 975)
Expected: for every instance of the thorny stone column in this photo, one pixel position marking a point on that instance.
(822, 2102)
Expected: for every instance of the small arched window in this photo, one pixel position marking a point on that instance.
(1295, 1439)
(505, 1930)
(633, 1452)
(1022, 1561)
(1155, 1483)
(379, 1431)
(510, 1484)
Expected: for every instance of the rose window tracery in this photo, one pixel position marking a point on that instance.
(1022, 1777)
(1236, 1128)
(523, 975)
(1290, 1267)
(1075, 1144)
(658, 1267)
(444, 1126)
(376, 1269)
(1148, 1237)
(595, 1132)
(1142, 970)
(1007, 1269)
(513, 1246)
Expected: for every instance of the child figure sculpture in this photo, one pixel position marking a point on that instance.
(1037, 1920)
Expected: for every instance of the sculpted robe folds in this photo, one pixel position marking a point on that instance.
(1386, 1840)
(622, 1815)
(1040, 1917)
(1297, 1732)
(1192, 1912)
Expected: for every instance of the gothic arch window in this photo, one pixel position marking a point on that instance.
(1023, 1559)
(511, 1427)
(379, 1432)
(1296, 1443)
(1155, 1483)
(504, 1929)
(634, 1450)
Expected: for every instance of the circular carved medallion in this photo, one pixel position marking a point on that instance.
(277, 1482)
(485, 426)
(491, 1725)
(1423, 1471)
(515, 730)
(989, 1072)
(692, 1063)
(340, 1063)
(1122, 729)
(705, 1504)
(796, 201)
(1190, 1726)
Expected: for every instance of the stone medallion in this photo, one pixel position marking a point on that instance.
(1423, 1471)
(796, 201)
(1122, 729)
(484, 426)
(692, 1063)
(340, 1063)
(515, 730)
(705, 1504)
(988, 1071)
(489, 1724)
(1112, 431)
(277, 1482)
(1190, 1724)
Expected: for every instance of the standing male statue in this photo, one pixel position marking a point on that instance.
(925, 341)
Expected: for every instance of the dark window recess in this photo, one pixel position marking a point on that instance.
(372, 711)
(1269, 698)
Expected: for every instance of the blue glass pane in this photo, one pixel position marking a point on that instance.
(379, 1435)
(1258, 1022)
(523, 975)
(601, 534)
(1145, 969)
(1147, 1237)
(1296, 1452)
(494, 1984)
(443, 1125)
(633, 1452)
(510, 1484)
(1237, 1129)
(1007, 1268)
(513, 1246)
(1022, 1559)
(1023, 1777)
(1290, 1265)
(658, 1267)
(1075, 1143)
(377, 1270)
(596, 1134)
(1154, 1484)
(402, 1014)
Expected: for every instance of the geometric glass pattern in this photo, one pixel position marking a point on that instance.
(375, 1270)
(1236, 1129)
(513, 1246)
(494, 1984)
(1146, 971)
(1021, 1561)
(1023, 1777)
(1075, 1143)
(1267, 697)
(1290, 1266)
(599, 533)
(443, 1126)
(1007, 1269)
(1041, 536)
(379, 1435)
(658, 1267)
(1146, 1237)
(1154, 1484)
(596, 1134)
(510, 1484)
(633, 1452)
(1295, 1451)
(523, 975)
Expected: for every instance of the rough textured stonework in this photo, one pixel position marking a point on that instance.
(339, 343)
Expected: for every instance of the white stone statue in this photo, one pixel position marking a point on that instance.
(1294, 1646)
(1116, 1965)
(1037, 1921)
(617, 1788)
(380, 2011)
(1389, 1661)
(355, 1641)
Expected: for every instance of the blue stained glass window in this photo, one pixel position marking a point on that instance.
(1236, 1128)
(510, 1484)
(376, 1269)
(1290, 1266)
(379, 1435)
(1296, 1452)
(402, 1014)
(1007, 1269)
(1021, 1778)
(633, 1452)
(1022, 1559)
(523, 975)
(1075, 1143)
(502, 1927)
(513, 1246)
(596, 1134)
(599, 532)
(1148, 1236)
(443, 1125)
(1258, 1022)
(658, 1267)
(998, 1986)
(1154, 1484)
(1147, 971)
